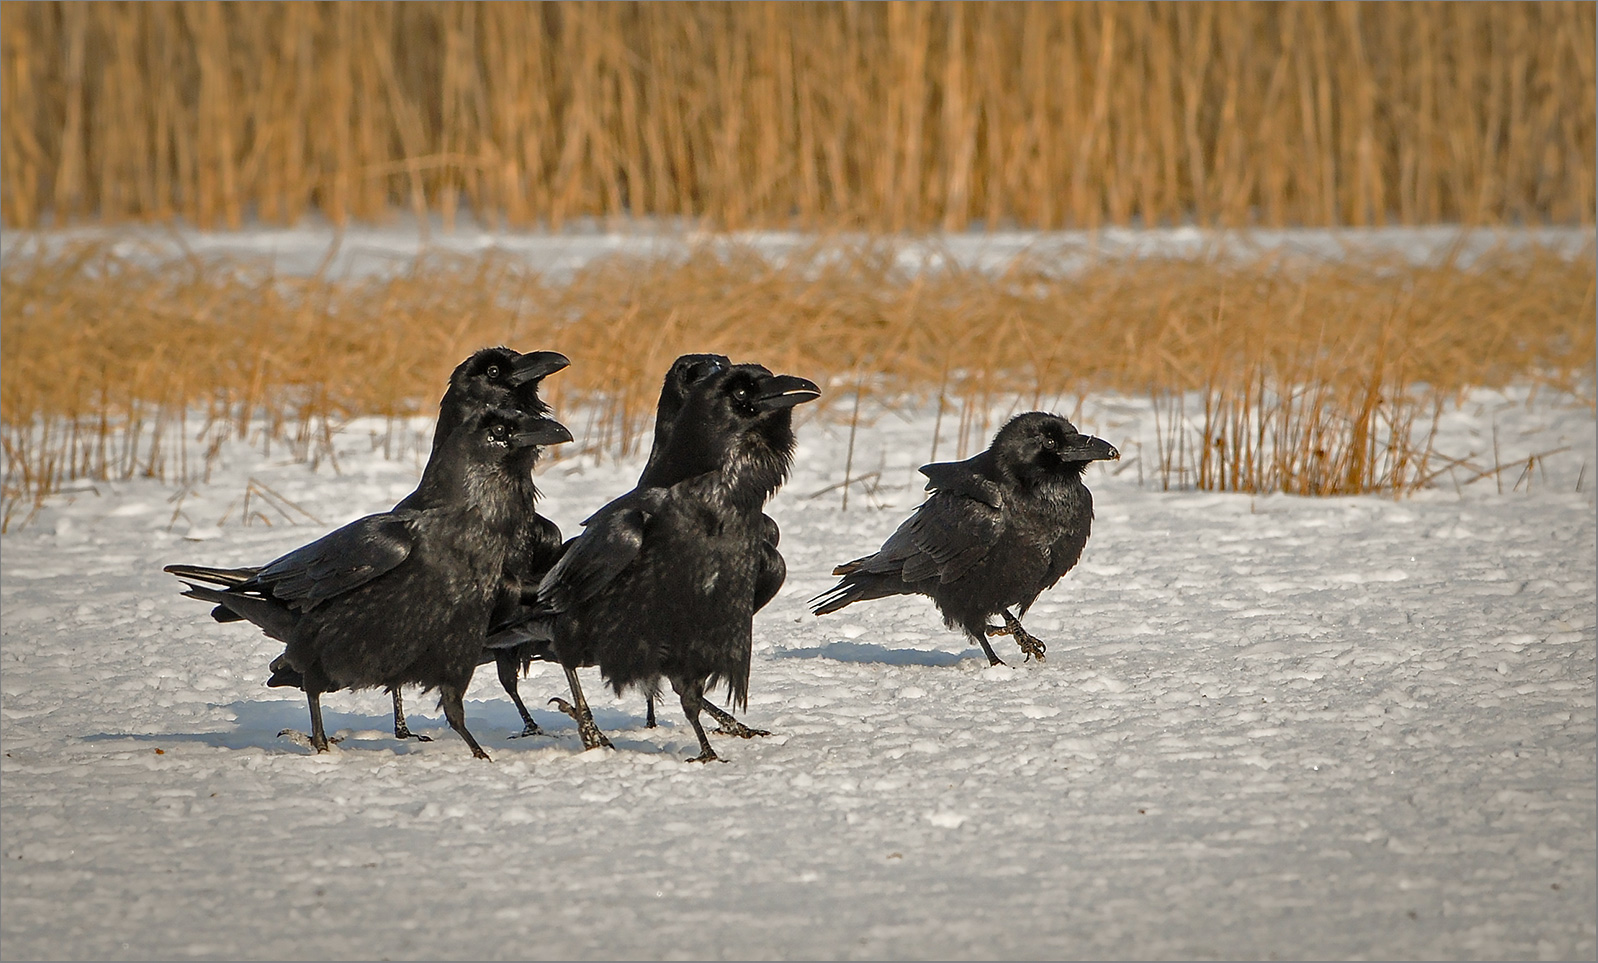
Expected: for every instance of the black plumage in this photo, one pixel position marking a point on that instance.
(999, 529)
(663, 581)
(660, 472)
(496, 377)
(404, 597)
(502, 378)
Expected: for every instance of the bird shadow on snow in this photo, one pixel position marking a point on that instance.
(257, 724)
(871, 652)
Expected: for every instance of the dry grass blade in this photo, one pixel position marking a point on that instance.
(889, 116)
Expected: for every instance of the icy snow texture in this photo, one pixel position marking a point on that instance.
(1267, 727)
(1273, 726)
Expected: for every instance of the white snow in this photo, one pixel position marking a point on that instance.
(1267, 727)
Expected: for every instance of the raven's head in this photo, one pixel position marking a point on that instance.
(684, 373)
(488, 456)
(495, 378)
(1037, 446)
(738, 420)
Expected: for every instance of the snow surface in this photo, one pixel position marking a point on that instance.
(384, 249)
(1267, 727)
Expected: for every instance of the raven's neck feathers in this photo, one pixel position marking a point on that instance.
(759, 461)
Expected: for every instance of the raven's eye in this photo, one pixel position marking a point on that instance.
(492, 372)
(497, 434)
(1050, 443)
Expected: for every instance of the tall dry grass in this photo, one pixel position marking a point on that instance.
(1270, 374)
(888, 116)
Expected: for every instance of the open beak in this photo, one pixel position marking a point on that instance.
(785, 391)
(541, 431)
(1091, 449)
(535, 365)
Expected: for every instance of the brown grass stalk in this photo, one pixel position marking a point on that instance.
(899, 116)
(1269, 374)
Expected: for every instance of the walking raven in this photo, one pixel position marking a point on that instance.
(998, 529)
(404, 597)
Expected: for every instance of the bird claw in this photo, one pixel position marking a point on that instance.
(303, 739)
(590, 734)
(404, 733)
(529, 730)
(709, 755)
(740, 730)
(1030, 645)
(1033, 647)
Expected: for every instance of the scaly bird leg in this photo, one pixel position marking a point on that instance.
(401, 730)
(692, 701)
(455, 712)
(1030, 644)
(726, 725)
(509, 665)
(649, 711)
(591, 736)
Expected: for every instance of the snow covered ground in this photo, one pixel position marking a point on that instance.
(1267, 727)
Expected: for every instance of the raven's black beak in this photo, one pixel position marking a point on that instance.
(1090, 449)
(537, 364)
(785, 391)
(541, 431)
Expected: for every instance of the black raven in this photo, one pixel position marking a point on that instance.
(534, 639)
(501, 378)
(404, 597)
(998, 529)
(663, 581)
(496, 377)
(660, 472)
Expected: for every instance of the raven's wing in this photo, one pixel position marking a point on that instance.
(612, 538)
(773, 571)
(969, 478)
(943, 539)
(338, 562)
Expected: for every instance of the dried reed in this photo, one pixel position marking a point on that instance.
(888, 116)
(1270, 374)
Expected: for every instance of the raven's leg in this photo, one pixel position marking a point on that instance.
(401, 730)
(993, 657)
(692, 700)
(1029, 643)
(318, 734)
(726, 725)
(649, 711)
(592, 737)
(509, 665)
(455, 712)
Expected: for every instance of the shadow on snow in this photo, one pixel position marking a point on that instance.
(871, 652)
(257, 724)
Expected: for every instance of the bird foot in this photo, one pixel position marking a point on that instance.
(738, 729)
(403, 732)
(709, 755)
(303, 739)
(726, 725)
(591, 736)
(1030, 644)
(531, 729)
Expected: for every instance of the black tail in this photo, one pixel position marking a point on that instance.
(213, 576)
(267, 614)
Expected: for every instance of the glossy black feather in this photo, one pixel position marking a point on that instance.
(664, 581)
(403, 597)
(998, 529)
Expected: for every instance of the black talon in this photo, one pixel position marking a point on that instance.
(726, 725)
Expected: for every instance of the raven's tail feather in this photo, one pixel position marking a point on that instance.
(215, 576)
(835, 598)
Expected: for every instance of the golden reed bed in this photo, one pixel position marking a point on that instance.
(818, 115)
(1270, 374)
